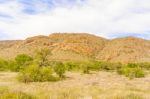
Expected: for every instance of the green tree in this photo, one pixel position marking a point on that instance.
(42, 57)
(23, 60)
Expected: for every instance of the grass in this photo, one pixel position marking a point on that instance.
(5, 93)
(97, 85)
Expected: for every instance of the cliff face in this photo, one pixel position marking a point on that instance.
(75, 46)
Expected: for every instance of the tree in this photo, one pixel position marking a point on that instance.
(23, 60)
(42, 56)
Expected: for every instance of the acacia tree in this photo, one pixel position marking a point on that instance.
(42, 56)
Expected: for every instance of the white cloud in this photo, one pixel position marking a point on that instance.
(101, 17)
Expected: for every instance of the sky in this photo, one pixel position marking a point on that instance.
(20, 19)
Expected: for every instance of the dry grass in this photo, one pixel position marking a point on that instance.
(100, 85)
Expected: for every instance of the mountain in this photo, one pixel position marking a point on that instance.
(64, 46)
(80, 46)
(128, 49)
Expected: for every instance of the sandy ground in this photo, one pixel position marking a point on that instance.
(97, 85)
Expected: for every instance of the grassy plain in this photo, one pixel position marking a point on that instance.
(96, 85)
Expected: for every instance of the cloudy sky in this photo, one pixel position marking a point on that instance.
(107, 18)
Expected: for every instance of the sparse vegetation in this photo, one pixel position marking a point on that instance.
(41, 69)
(35, 73)
(3, 65)
(42, 57)
(5, 93)
(60, 69)
(132, 71)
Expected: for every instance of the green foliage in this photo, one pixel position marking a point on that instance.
(3, 65)
(21, 61)
(60, 69)
(131, 72)
(86, 68)
(144, 65)
(132, 65)
(35, 73)
(95, 65)
(42, 57)
(73, 66)
(13, 66)
(110, 66)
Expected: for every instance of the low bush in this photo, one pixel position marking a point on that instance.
(135, 72)
(93, 65)
(13, 66)
(86, 68)
(144, 65)
(110, 66)
(60, 69)
(132, 65)
(72, 66)
(3, 65)
(35, 73)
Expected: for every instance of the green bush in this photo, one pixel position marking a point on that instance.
(23, 60)
(60, 69)
(35, 73)
(86, 68)
(95, 65)
(3, 65)
(13, 66)
(135, 72)
(72, 66)
(110, 66)
(132, 65)
(144, 65)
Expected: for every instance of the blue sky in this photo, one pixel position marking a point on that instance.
(20, 19)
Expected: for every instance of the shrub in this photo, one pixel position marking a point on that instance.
(3, 65)
(46, 74)
(95, 65)
(23, 60)
(86, 68)
(60, 69)
(132, 65)
(35, 73)
(110, 66)
(132, 72)
(145, 65)
(13, 66)
(73, 66)
(42, 57)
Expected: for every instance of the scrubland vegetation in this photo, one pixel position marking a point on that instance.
(40, 69)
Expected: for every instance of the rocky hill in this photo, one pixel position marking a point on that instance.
(81, 46)
(128, 49)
